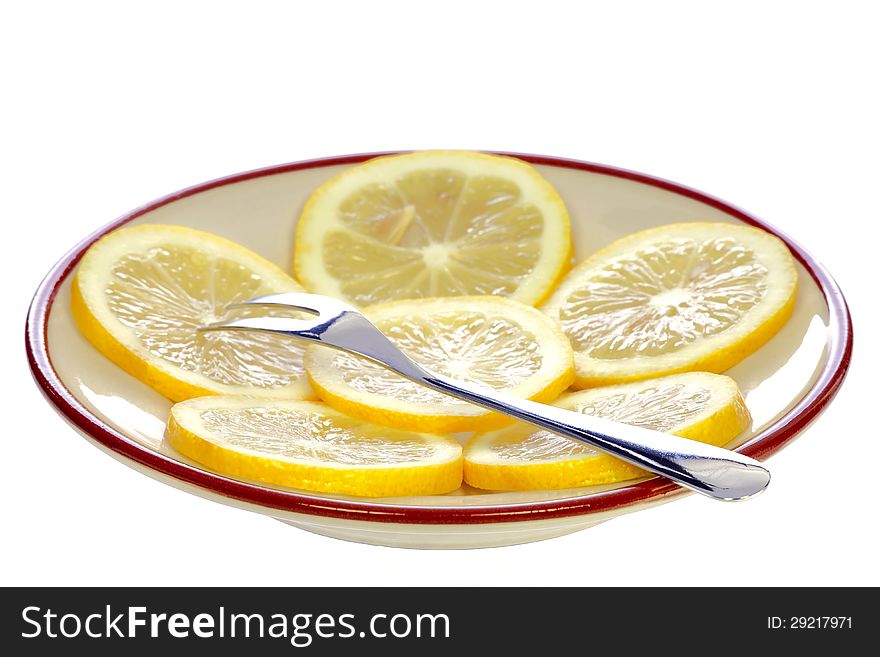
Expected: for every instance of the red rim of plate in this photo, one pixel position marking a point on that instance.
(760, 446)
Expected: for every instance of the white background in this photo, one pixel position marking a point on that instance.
(770, 105)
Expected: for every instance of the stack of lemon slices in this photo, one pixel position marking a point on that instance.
(463, 260)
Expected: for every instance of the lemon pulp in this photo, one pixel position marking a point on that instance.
(697, 405)
(141, 293)
(489, 341)
(310, 446)
(433, 224)
(675, 298)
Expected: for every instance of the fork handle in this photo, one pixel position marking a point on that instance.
(713, 471)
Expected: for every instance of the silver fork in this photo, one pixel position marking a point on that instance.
(718, 473)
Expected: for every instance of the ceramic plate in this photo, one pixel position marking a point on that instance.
(786, 384)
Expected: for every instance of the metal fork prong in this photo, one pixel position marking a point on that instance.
(310, 303)
(285, 325)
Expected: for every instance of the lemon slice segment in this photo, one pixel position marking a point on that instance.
(310, 446)
(491, 341)
(682, 297)
(140, 294)
(696, 405)
(434, 224)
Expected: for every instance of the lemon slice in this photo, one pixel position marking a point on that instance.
(696, 405)
(485, 340)
(308, 445)
(682, 297)
(434, 224)
(140, 293)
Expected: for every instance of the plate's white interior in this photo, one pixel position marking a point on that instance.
(261, 214)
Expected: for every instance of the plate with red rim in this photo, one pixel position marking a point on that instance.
(786, 384)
